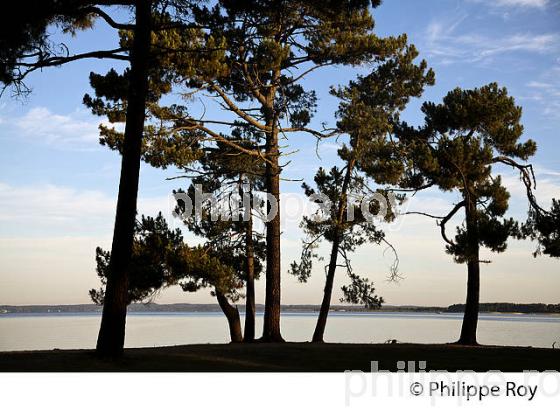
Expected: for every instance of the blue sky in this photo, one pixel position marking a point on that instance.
(58, 186)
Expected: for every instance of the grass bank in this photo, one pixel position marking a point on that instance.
(288, 357)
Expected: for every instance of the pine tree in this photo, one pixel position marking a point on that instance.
(234, 178)
(369, 107)
(27, 47)
(26, 43)
(262, 50)
(161, 259)
(456, 150)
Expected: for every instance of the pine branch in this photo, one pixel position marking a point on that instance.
(233, 107)
(108, 19)
(528, 178)
(446, 219)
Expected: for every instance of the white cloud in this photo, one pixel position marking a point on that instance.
(546, 93)
(57, 210)
(540, 43)
(55, 128)
(542, 171)
(538, 84)
(49, 204)
(548, 187)
(540, 4)
(77, 130)
(444, 43)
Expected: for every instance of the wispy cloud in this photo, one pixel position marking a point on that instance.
(539, 4)
(545, 92)
(443, 42)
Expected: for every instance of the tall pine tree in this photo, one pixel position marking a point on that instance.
(27, 47)
(369, 107)
(263, 49)
(456, 150)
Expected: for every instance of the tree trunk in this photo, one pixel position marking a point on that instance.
(470, 318)
(110, 341)
(232, 316)
(319, 332)
(271, 329)
(250, 297)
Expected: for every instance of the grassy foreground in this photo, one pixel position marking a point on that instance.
(288, 357)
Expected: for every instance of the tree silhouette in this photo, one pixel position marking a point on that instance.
(543, 226)
(232, 178)
(160, 259)
(222, 164)
(369, 106)
(259, 53)
(27, 47)
(26, 44)
(456, 149)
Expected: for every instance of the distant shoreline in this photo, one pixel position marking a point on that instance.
(532, 308)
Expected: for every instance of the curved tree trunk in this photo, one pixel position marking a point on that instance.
(250, 297)
(470, 318)
(319, 332)
(232, 316)
(110, 341)
(271, 329)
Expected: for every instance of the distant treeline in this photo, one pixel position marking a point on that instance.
(208, 307)
(150, 307)
(511, 308)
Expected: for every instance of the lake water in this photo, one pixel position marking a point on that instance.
(74, 331)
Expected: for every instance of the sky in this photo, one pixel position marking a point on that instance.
(58, 186)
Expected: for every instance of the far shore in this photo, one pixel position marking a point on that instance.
(488, 308)
(308, 312)
(287, 357)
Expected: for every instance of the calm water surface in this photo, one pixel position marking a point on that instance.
(71, 331)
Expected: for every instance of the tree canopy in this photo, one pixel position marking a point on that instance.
(455, 150)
